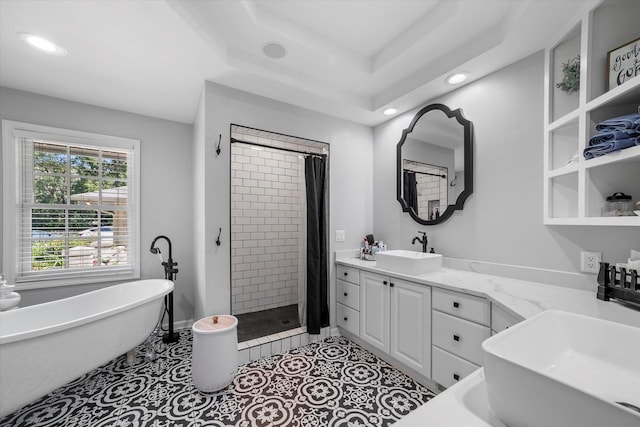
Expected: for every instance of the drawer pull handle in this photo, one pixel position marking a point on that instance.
(456, 377)
(391, 284)
(345, 294)
(345, 319)
(456, 304)
(346, 274)
(456, 337)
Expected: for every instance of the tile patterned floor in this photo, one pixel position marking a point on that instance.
(328, 383)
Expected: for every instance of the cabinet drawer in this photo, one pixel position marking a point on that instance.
(348, 274)
(458, 336)
(500, 319)
(348, 294)
(348, 318)
(448, 369)
(466, 306)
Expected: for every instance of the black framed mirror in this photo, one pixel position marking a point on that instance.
(435, 164)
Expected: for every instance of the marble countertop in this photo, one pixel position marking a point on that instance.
(519, 297)
(466, 403)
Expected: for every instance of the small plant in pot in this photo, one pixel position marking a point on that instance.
(570, 76)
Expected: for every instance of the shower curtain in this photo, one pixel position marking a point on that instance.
(302, 246)
(317, 295)
(410, 190)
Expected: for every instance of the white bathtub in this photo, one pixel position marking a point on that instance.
(45, 346)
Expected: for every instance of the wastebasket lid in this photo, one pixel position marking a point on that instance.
(212, 324)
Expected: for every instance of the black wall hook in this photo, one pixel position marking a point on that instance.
(218, 239)
(219, 140)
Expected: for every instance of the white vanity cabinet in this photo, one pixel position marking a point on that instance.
(461, 322)
(395, 318)
(348, 299)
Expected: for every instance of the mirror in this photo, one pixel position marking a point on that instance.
(435, 164)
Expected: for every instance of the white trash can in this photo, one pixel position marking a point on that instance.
(214, 358)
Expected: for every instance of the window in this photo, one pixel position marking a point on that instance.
(70, 206)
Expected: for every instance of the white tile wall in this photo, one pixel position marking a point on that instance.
(266, 201)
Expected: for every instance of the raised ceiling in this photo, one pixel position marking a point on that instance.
(345, 58)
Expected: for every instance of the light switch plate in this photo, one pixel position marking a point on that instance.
(340, 235)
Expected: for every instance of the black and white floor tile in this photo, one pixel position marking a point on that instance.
(328, 383)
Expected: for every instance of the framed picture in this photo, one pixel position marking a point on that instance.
(623, 63)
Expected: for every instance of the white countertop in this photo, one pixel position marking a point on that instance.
(466, 403)
(519, 297)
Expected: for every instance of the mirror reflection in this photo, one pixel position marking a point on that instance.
(432, 164)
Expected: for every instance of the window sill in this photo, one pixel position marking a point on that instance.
(75, 281)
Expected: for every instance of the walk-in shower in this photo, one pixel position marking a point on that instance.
(269, 229)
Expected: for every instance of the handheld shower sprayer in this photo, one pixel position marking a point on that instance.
(170, 273)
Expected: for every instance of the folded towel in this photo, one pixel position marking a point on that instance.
(629, 121)
(610, 146)
(613, 135)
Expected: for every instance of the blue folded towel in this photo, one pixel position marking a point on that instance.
(610, 146)
(613, 135)
(629, 121)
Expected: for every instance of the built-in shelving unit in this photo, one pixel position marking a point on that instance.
(575, 192)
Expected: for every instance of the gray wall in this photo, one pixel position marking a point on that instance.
(166, 198)
(502, 220)
(350, 179)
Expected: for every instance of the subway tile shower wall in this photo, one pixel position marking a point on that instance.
(266, 224)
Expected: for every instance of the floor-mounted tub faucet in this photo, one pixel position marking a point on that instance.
(170, 273)
(422, 240)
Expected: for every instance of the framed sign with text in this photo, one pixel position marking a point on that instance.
(623, 63)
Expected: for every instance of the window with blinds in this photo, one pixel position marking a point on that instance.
(75, 207)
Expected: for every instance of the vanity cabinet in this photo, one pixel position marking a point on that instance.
(348, 299)
(461, 322)
(395, 318)
(575, 190)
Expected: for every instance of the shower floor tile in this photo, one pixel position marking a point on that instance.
(267, 322)
(327, 383)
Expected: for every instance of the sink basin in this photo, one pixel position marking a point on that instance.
(408, 262)
(564, 369)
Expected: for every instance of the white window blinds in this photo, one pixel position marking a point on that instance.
(75, 207)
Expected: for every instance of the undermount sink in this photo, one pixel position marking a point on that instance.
(564, 369)
(408, 262)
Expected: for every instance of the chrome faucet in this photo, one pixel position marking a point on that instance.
(422, 240)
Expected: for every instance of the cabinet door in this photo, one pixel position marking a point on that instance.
(374, 310)
(410, 324)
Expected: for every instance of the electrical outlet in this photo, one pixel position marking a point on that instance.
(340, 235)
(590, 261)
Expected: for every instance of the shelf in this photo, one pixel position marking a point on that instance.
(620, 221)
(566, 120)
(625, 94)
(576, 193)
(565, 170)
(630, 154)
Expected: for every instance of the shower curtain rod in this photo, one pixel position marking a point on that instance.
(426, 173)
(233, 141)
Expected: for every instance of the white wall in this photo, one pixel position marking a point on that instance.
(350, 179)
(502, 220)
(166, 198)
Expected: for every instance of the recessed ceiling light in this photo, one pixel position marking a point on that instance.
(274, 50)
(457, 78)
(389, 111)
(43, 44)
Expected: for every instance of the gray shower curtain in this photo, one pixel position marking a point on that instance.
(317, 294)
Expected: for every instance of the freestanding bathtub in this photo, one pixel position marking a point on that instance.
(45, 346)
